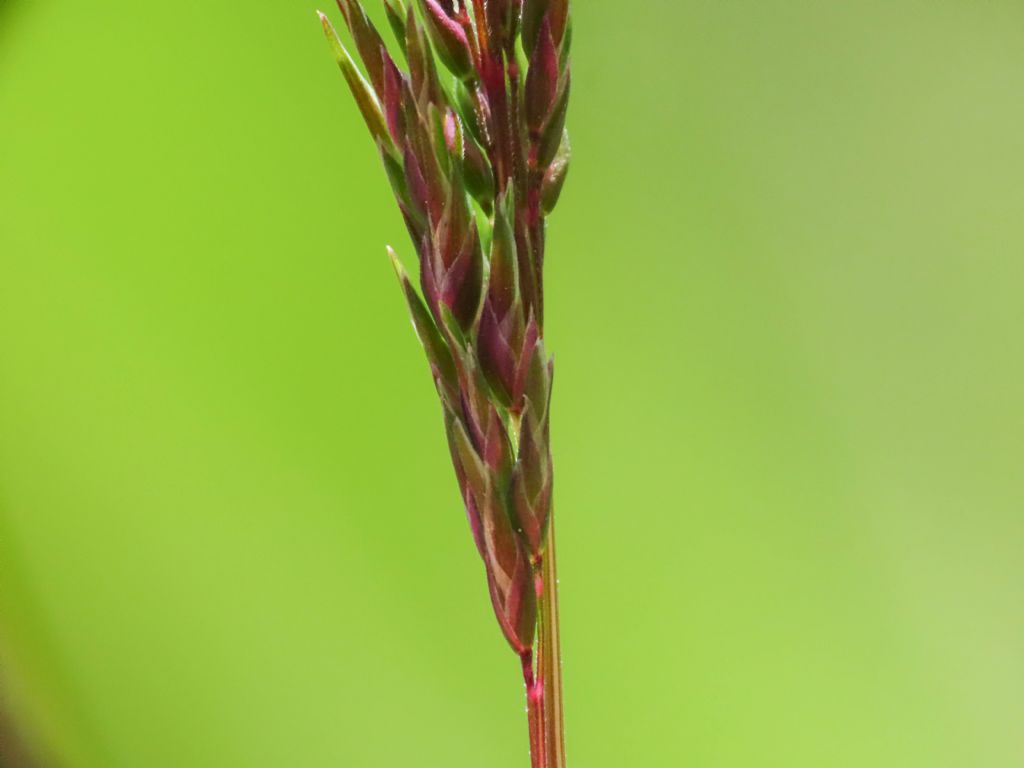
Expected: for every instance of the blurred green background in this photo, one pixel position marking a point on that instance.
(784, 293)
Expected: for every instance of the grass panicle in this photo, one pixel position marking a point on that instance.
(477, 154)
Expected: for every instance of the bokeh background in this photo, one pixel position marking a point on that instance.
(785, 301)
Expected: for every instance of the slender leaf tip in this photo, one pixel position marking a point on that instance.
(397, 264)
(332, 37)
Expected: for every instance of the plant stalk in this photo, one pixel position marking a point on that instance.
(550, 658)
(544, 684)
(534, 711)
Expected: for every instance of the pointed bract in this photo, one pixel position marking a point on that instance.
(554, 127)
(368, 41)
(422, 70)
(435, 347)
(541, 80)
(395, 11)
(503, 291)
(394, 95)
(554, 177)
(450, 40)
(365, 98)
(478, 173)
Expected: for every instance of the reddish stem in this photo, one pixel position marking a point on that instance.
(544, 679)
(535, 711)
(549, 659)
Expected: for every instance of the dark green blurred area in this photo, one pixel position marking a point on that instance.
(784, 295)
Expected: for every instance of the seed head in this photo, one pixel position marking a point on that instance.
(477, 159)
